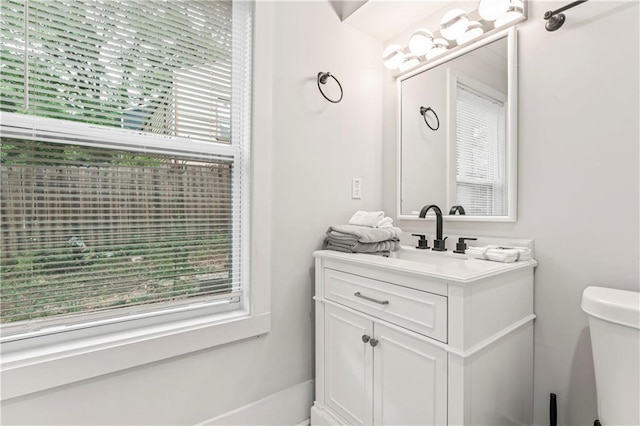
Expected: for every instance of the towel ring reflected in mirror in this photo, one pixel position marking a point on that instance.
(423, 113)
(457, 209)
(322, 79)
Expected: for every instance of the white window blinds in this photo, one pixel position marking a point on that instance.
(480, 153)
(156, 66)
(124, 156)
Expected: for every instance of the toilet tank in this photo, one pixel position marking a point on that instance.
(614, 322)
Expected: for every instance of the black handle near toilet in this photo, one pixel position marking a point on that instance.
(553, 411)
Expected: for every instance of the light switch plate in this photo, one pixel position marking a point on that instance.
(356, 188)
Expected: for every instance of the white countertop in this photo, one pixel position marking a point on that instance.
(456, 268)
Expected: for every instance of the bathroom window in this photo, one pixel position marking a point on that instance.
(480, 152)
(124, 162)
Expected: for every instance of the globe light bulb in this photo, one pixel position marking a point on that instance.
(453, 24)
(420, 42)
(392, 56)
(440, 46)
(409, 62)
(490, 10)
(474, 30)
(515, 11)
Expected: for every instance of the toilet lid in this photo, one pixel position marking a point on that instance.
(618, 306)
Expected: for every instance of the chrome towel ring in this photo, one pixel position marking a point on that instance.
(322, 79)
(423, 113)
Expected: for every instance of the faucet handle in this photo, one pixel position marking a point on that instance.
(461, 246)
(422, 241)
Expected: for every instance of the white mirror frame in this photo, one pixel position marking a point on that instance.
(511, 154)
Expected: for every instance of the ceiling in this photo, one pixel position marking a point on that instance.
(383, 19)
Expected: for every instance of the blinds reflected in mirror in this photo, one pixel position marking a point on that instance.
(480, 152)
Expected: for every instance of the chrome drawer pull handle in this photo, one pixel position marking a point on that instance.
(370, 299)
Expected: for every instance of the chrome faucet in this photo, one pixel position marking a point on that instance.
(438, 243)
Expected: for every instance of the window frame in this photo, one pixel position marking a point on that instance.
(493, 186)
(454, 78)
(134, 142)
(59, 358)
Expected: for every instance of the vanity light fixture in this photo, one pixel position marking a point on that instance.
(454, 24)
(490, 10)
(409, 62)
(474, 30)
(420, 42)
(440, 46)
(392, 56)
(456, 29)
(514, 12)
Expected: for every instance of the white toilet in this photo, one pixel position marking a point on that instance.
(614, 321)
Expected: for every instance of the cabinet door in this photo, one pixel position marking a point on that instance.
(409, 380)
(348, 366)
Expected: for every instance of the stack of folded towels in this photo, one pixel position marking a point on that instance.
(499, 253)
(366, 232)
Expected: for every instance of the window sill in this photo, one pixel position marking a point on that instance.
(28, 371)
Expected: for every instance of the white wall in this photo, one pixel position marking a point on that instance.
(578, 183)
(317, 148)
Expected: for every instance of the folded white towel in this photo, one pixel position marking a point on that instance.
(369, 219)
(385, 222)
(499, 253)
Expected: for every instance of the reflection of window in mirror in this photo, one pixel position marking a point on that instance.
(480, 149)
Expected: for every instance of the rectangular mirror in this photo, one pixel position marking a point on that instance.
(458, 134)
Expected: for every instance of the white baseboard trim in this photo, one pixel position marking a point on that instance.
(288, 407)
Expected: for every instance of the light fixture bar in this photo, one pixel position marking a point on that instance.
(456, 31)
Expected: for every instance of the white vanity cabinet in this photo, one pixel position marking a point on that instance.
(370, 366)
(409, 343)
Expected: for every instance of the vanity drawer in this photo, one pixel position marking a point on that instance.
(422, 312)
